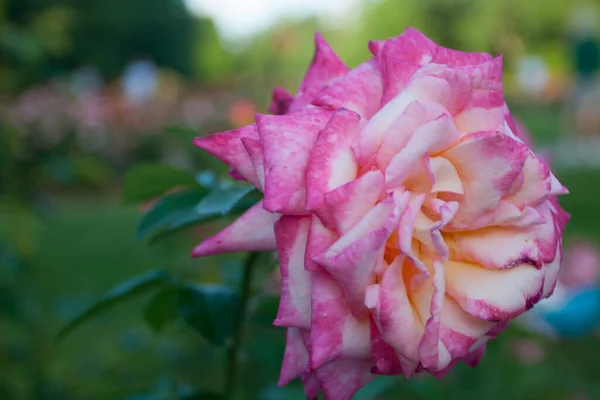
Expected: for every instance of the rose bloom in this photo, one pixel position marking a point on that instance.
(410, 221)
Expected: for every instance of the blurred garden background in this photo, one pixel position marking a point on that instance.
(90, 88)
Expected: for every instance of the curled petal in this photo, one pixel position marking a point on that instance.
(432, 137)
(494, 295)
(532, 245)
(348, 204)
(331, 162)
(295, 358)
(402, 129)
(254, 149)
(227, 147)
(341, 379)
(445, 176)
(352, 259)
(252, 231)
(432, 352)
(488, 164)
(335, 332)
(325, 68)
(399, 326)
(406, 226)
(387, 360)
(287, 142)
(360, 91)
(319, 240)
(294, 307)
(281, 102)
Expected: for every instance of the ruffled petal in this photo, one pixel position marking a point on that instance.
(360, 91)
(294, 306)
(287, 142)
(348, 204)
(400, 132)
(536, 184)
(488, 164)
(228, 148)
(532, 245)
(252, 231)
(340, 380)
(254, 149)
(295, 358)
(460, 331)
(429, 232)
(325, 68)
(281, 102)
(352, 259)
(432, 137)
(433, 354)
(335, 332)
(494, 295)
(445, 176)
(399, 325)
(320, 238)
(332, 162)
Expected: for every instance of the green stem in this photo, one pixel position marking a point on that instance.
(234, 347)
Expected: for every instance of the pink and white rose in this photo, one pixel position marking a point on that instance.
(410, 221)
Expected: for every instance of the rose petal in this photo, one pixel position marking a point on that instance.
(399, 325)
(348, 204)
(287, 142)
(432, 352)
(352, 259)
(341, 379)
(488, 164)
(295, 358)
(294, 307)
(319, 240)
(494, 295)
(281, 102)
(533, 244)
(400, 132)
(360, 91)
(228, 148)
(325, 68)
(252, 231)
(429, 138)
(445, 176)
(335, 332)
(254, 149)
(332, 162)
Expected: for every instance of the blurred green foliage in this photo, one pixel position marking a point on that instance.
(65, 239)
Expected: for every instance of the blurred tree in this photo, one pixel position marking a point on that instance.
(106, 34)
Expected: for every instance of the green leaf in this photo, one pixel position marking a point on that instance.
(203, 396)
(147, 181)
(162, 308)
(123, 291)
(171, 213)
(182, 209)
(210, 310)
(223, 198)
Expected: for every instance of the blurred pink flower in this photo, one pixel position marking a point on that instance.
(581, 265)
(529, 351)
(410, 221)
